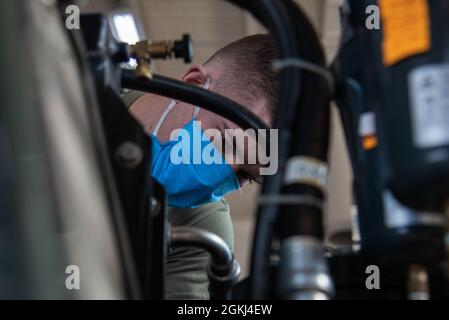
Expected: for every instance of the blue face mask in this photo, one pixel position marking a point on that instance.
(190, 184)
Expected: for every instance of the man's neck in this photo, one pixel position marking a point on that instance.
(149, 108)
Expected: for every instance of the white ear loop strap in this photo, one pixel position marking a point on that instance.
(206, 86)
(164, 115)
(279, 65)
(170, 107)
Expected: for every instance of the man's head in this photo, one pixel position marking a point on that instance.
(241, 71)
(244, 71)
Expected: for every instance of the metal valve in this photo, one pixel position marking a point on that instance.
(146, 50)
(166, 49)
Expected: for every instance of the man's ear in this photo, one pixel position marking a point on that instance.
(195, 75)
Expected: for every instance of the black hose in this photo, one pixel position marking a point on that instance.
(310, 132)
(208, 100)
(309, 125)
(275, 17)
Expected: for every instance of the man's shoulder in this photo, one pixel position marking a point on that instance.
(130, 96)
(213, 217)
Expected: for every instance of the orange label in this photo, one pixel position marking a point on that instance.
(370, 143)
(406, 29)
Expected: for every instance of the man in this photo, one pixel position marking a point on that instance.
(242, 72)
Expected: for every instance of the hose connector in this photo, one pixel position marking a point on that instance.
(146, 50)
(303, 272)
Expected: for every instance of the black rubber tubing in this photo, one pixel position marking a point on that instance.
(195, 95)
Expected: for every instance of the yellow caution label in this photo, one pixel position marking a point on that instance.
(406, 29)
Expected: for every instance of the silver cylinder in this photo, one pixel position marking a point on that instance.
(303, 272)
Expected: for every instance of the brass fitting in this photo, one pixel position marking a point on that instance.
(152, 50)
(146, 50)
(143, 69)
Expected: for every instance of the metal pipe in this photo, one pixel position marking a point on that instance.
(219, 250)
(223, 271)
